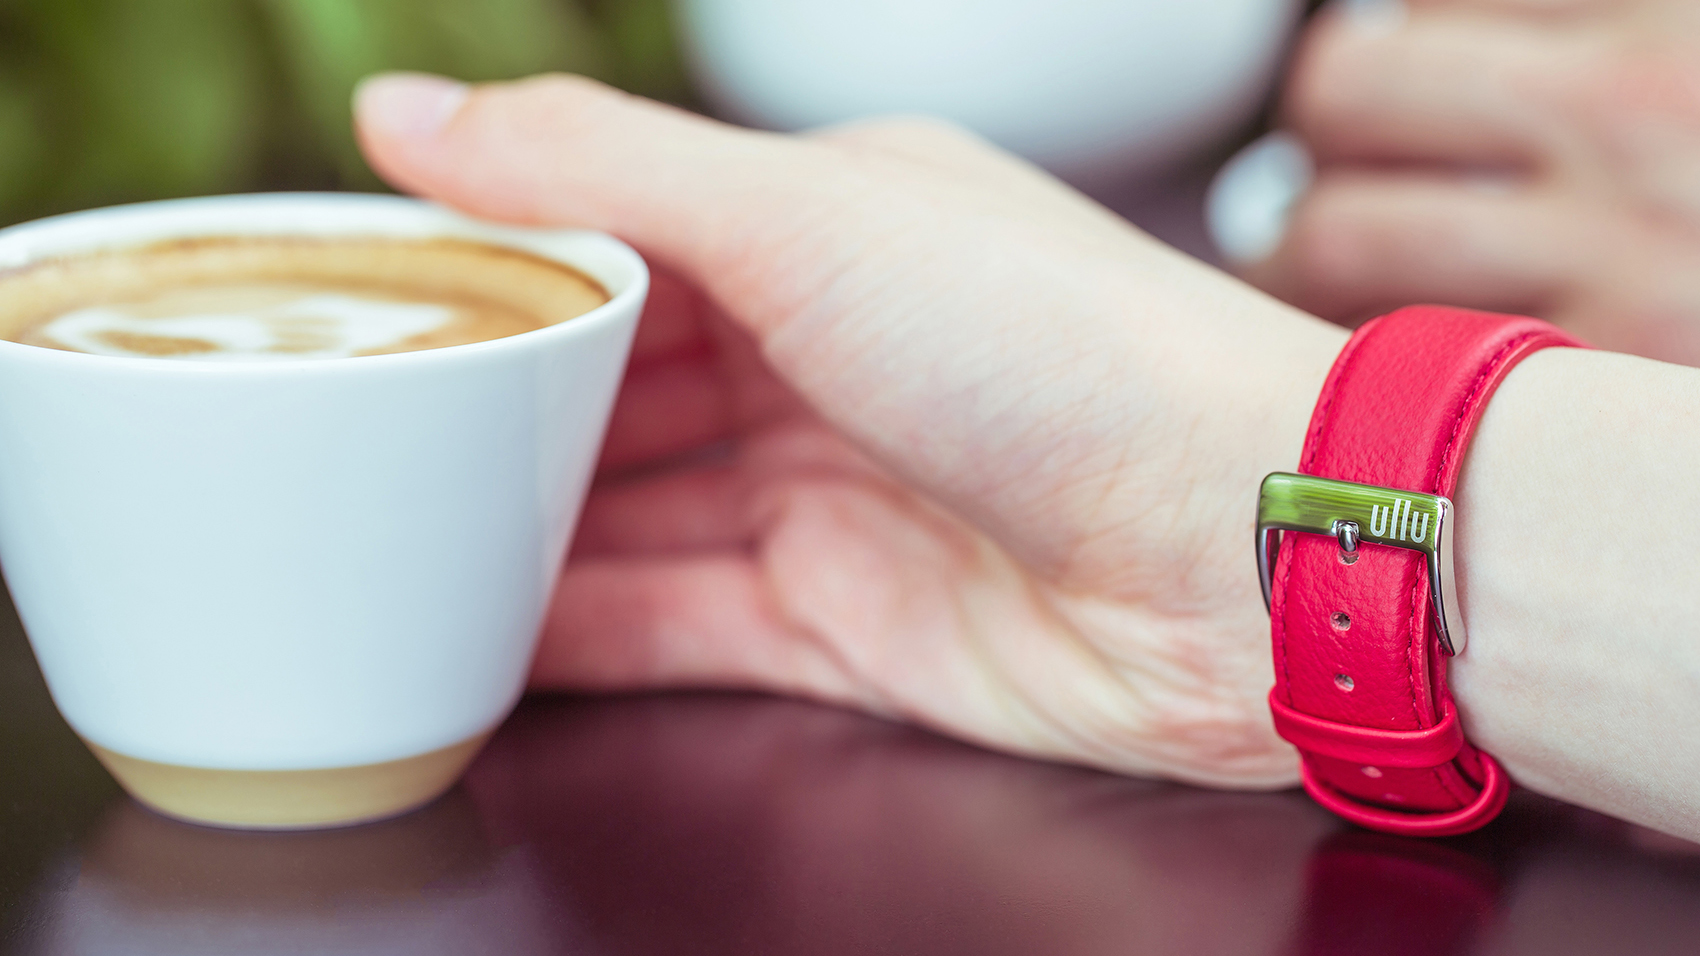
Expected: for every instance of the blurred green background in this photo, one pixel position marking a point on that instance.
(107, 101)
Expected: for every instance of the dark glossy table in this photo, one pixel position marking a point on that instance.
(710, 824)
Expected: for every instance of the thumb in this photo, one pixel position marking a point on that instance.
(705, 198)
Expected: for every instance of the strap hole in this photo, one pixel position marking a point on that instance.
(1341, 620)
(1348, 557)
(1344, 682)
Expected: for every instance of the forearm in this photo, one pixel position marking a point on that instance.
(1580, 584)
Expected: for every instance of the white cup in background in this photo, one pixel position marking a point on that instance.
(1094, 90)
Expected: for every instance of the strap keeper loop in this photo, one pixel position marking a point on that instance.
(1382, 748)
(1495, 790)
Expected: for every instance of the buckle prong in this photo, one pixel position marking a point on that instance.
(1346, 532)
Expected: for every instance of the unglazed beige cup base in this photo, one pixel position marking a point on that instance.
(291, 799)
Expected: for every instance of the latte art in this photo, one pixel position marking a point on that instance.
(283, 299)
(306, 327)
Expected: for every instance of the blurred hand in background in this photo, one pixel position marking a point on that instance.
(1536, 156)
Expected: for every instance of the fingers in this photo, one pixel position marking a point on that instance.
(1362, 243)
(674, 396)
(695, 379)
(685, 579)
(676, 407)
(675, 319)
(691, 511)
(723, 502)
(564, 150)
(667, 408)
(1450, 84)
(697, 621)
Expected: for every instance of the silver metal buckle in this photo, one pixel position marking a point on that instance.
(1352, 514)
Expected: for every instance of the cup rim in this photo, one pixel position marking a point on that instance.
(407, 217)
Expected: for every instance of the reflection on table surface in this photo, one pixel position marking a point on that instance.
(710, 824)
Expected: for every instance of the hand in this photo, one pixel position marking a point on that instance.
(1537, 156)
(909, 427)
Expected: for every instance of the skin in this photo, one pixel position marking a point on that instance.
(912, 428)
(1533, 156)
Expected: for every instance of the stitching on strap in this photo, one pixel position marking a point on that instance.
(1488, 371)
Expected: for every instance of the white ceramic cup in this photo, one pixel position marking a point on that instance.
(312, 587)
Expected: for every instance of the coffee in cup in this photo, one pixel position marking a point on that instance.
(286, 482)
(288, 298)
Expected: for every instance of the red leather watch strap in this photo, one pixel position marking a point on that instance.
(1360, 683)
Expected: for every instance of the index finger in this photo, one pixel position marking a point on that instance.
(706, 198)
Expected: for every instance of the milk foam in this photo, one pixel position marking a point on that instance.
(314, 326)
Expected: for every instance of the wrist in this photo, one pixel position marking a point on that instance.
(1578, 587)
(1220, 387)
(1249, 386)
